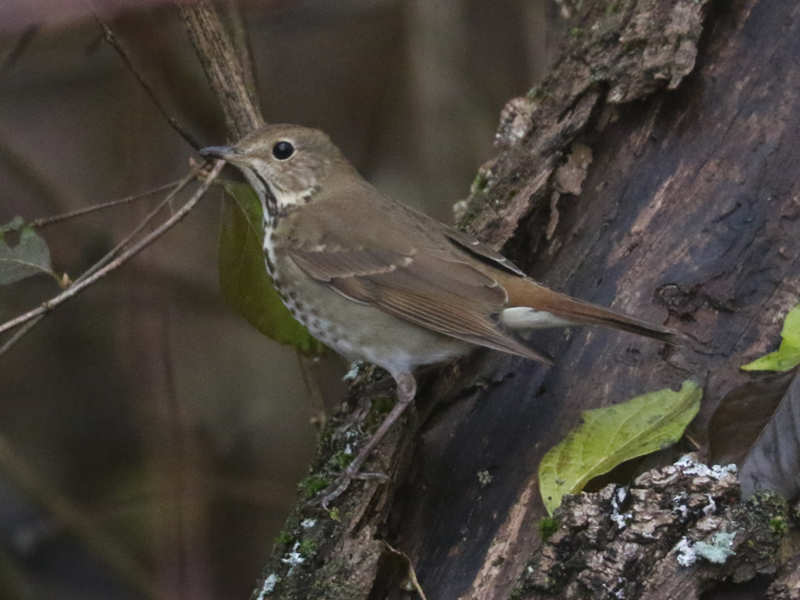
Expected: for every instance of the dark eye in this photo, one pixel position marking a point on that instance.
(282, 150)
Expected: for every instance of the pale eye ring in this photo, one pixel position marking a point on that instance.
(282, 150)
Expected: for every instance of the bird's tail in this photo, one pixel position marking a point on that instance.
(551, 308)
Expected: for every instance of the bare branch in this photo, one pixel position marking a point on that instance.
(222, 67)
(19, 48)
(85, 282)
(139, 228)
(29, 173)
(45, 221)
(19, 334)
(173, 122)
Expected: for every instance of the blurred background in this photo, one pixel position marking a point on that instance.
(150, 439)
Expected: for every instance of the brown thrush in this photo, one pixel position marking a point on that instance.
(379, 281)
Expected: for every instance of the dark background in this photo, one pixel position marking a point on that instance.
(150, 439)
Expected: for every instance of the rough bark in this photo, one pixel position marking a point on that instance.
(676, 532)
(626, 178)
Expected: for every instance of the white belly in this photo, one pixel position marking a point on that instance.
(359, 331)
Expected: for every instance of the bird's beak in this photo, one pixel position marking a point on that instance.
(223, 152)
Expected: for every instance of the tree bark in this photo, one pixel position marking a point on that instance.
(624, 180)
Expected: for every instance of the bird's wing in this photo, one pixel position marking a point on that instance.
(406, 270)
(479, 250)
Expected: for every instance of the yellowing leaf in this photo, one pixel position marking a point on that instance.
(787, 356)
(243, 276)
(611, 435)
(29, 256)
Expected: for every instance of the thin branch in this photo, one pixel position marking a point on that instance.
(51, 195)
(111, 38)
(19, 48)
(19, 334)
(83, 283)
(45, 221)
(108, 256)
(139, 228)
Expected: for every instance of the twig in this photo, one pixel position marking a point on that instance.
(100, 544)
(412, 574)
(222, 67)
(19, 334)
(45, 221)
(117, 45)
(136, 230)
(109, 255)
(22, 44)
(83, 283)
(51, 195)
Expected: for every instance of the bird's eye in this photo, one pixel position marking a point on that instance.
(282, 150)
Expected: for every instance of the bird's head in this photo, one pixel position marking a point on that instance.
(285, 164)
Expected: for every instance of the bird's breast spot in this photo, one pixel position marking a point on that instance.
(524, 317)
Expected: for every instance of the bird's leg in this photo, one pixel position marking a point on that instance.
(406, 390)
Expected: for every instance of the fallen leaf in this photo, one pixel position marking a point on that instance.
(611, 435)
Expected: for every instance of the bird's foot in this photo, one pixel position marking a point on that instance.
(338, 487)
(406, 389)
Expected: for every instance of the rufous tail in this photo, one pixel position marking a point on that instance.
(526, 292)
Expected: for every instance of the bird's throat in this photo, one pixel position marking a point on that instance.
(269, 204)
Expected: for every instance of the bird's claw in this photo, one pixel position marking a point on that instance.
(338, 487)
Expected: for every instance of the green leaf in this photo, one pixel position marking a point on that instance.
(787, 356)
(243, 276)
(29, 256)
(611, 435)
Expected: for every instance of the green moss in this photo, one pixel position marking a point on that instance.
(334, 514)
(479, 184)
(778, 524)
(284, 538)
(381, 405)
(341, 459)
(547, 527)
(312, 484)
(307, 548)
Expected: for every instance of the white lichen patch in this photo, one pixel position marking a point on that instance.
(268, 586)
(484, 478)
(293, 558)
(690, 466)
(355, 368)
(617, 516)
(308, 523)
(686, 555)
(679, 505)
(718, 549)
(711, 507)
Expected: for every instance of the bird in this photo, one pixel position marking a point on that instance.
(379, 281)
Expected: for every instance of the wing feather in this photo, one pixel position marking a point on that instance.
(411, 267)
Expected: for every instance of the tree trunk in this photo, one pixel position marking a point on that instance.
(688, 216)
